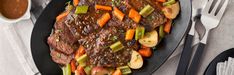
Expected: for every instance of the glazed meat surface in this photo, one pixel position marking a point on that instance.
(84, 30)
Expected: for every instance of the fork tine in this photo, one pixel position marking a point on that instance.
(207, 7)
(222, 10)
(215, 7)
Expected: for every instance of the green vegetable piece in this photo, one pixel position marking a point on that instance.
(117, 46)
(69, 6)
(64, 70)
(125, 70)
(81, 9)
(67, 70)
(87, 70)
(140, 31)
(147, 10)
(170, 2)
(82, 60)
(161, 31)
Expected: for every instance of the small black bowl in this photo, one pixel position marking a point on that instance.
(211, 69)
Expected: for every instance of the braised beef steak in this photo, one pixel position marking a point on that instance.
(84, 30)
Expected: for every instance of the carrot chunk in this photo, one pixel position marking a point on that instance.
(119, 14)
(104, 19)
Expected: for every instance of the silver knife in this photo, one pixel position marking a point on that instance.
(197, 6)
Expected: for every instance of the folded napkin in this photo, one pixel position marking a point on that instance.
(20, 44)
(225, 68)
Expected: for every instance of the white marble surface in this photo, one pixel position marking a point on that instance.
(220, 39)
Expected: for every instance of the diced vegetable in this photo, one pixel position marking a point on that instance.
(79, 71)
(136, 61)
(161, 1)
(69, 7)
(99, 71)
(67, 70)
(171, 11)
(82, 60)
(80, 51)
(134, 15)
(103, 7)
(147, 10)
(170, 2)
(64, 70)
(129, 34)
(145, 52)
(119, 14)
(150, 39)
(62, 15)
(125, 70)
(117, 46)
(87, 70)
(161, 31)
(75, 2)
(139, 32)
(104, 19)
(82, 9)
(73, 66)
(117, 72)
(167, 27)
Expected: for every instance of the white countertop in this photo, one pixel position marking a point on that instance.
(220, 39)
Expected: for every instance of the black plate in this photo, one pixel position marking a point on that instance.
(44, 25)
(211, 69)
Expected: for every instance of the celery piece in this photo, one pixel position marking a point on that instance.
(87, 70)
(81, 9)
(170, 2)
(161, 31)
(140, 31)
(117, 46)
(147, 10)
(125, 70)
(67, 69)
(82, 60)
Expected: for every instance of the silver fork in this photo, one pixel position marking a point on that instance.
(210, 20)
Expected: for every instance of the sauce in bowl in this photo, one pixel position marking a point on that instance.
(13, 9)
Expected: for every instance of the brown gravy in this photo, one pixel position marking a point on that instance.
(13, 9)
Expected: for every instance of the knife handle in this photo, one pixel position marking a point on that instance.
(196, 60)
(185, 56)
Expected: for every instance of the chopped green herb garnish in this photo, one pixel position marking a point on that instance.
(114, 38)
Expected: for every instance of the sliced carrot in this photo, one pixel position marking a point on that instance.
(167, 27)
(104, 19)
(62, 15)
(119, 14)
(134, 15)
(80, 51)
(145, 52)
(129, 34)
(75, 2)
(161, 1)
(80, 71)
(102, 7)
(73, 66)
(117, 72)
